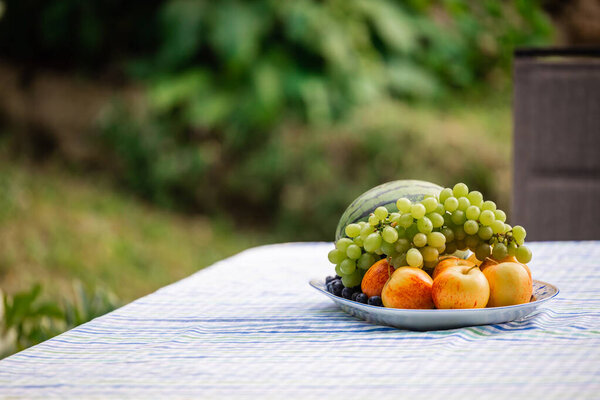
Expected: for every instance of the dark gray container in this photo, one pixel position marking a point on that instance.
(556, 143)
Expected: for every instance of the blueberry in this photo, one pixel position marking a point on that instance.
(347, 293)
(337, 287)
(375, 301)
(354, 296)
(338, 277)
(329, 279)
(361, 298)
(329, 287)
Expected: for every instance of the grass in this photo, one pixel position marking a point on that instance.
(56, 227)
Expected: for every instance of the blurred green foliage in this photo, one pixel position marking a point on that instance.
(254, 107)
(28, 320)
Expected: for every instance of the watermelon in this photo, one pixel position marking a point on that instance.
(384, 195)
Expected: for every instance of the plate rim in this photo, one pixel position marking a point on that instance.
(318, 284)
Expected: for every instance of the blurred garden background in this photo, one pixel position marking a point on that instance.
(141, 141)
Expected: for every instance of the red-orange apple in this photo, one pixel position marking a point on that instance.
(408, 287)
(376, 277)
(460, 286)
(450, 262)
(510, 284)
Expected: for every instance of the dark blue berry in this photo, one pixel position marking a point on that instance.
(337, 287)
(329, 287)
(354, 296)
(347, 293)
(329, 279)
(361, 298)
(375, 301)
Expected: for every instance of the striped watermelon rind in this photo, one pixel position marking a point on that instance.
(384, 195)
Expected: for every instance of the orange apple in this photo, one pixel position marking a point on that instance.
(488, 261)
(460, 286)
(510, 284)
(376, 277)
(408, 287)
(450, 262)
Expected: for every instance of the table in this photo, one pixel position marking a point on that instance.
(250, 326)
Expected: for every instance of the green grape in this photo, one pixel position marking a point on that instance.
(497, 226)
(472, 241)
(436, 239)
(352, 230)
(448, 233)
(412, 231)
(402, 246)
(389, 234)
(473, 212)
(463, 203)
(430, 204)
(373, 242)
(487, 217)
(373, 220)
(366, 260)
(459, 233)
(424, 224)
(388, 249)
(512, 249)
(523, 254)
(430, 253)
(406, 220)
(430, 265)
(447, 219)
(338, 271)
(417, 210)
(342, 244)
(500, 215)
(519, 234)
(436, 219)
(483, 251)
(488, 205)
(395, 217)
(451, 204)
(359, 241)
(450, 248)
(485, 233)
(507, 228)
(458, 217)
(401, 231)
(347, 266)
(441, 249)
(471, 227)
(353, 279)
(444, 194)
(379, 252)
(399, 260)
(366, 231)
(420, 239)
(353, 252)
(476, 198)
(381, 213)
(403, 204)
(460, 190)
(499, 251)
(440, 209)
(460, 245)
(336, 256)
(414, 258)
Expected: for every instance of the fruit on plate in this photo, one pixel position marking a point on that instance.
(384, 195)
(409, 287)
(510, 284)
(460, 286)
(418, 224)
(376, 277)
(448, 262)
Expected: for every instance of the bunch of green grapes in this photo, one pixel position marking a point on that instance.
(417, 234)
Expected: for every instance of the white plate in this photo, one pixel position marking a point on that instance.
(425, 320)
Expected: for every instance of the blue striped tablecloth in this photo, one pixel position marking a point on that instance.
(251, 327)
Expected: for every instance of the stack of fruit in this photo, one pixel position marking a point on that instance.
(411, 241)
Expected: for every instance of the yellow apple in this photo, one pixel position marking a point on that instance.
(450, 262)
(510, 284)
(376, 277)
(408, 287)
(460, 286)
